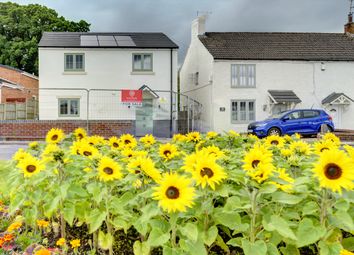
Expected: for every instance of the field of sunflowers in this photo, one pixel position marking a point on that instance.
(197, 194)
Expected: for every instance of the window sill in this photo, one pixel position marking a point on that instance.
(142, 73)
(74, 73)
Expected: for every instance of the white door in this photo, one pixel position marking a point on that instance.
(336, 113)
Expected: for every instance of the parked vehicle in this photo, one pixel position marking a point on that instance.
(304, 121)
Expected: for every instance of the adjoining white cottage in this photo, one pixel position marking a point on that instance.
(87, 70)
(242, 77)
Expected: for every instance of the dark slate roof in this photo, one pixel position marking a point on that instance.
(284, 96)
(72, 40)
(279, 46)
(332, 97)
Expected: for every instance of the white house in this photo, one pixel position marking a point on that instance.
(82, 75)
(243, 77)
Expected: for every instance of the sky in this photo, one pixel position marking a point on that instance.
(174, 17)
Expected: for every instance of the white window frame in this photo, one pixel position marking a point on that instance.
(69, 99)
(247, 111)
(247, 80)
(142, 68)
(74, 69)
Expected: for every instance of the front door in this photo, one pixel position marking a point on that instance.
(143, 118)
(336, 113)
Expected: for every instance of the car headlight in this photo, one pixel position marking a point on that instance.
(260, 125)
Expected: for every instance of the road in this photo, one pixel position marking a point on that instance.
(8, 149)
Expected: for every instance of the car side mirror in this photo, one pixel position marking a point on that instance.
(285, 118)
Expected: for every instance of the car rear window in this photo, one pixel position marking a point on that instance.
(311, 114)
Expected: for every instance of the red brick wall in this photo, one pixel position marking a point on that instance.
(17, 77)
(37, 129)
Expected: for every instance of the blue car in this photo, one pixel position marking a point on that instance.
(306, 121)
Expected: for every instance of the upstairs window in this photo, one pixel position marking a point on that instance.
(243, 76)
(74, 62)
(142, 62)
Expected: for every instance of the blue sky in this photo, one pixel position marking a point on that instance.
(173, 17)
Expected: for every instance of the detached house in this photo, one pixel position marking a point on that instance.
(83, 75)
(243, 77)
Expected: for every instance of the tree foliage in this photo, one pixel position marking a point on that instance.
(21, 28)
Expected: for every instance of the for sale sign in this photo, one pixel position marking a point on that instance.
(132, 97)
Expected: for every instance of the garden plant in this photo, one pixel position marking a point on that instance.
(196, 194)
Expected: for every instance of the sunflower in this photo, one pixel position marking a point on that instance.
(42, 252)
(80, 133)
(109, 170)
(174, 193)
(286, 152)
(211, 134)
(33, 145)
(148, 140)
(55, 135)
(75, 147)
(345, 252)
(257, 155)
(334, 170)
(30, 166)
(213, 151)
(207, 171)
(283, 175)
(75, 243)
(94, 140)
(145, 165)
(233, 133)
(261, 173)
(168, 151)
(49, 150)
(332, 137)
(179, 138)
(128, 141)
(350, 150)
(88, 150)
(190, 161)
(323, 145)
(274, 140)
(300, 147)
(115, 143)
(193, 136)
(20, 154)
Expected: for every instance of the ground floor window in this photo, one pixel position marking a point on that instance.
(69, 107)
(242, 111)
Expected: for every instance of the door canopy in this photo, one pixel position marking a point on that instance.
(337, 99)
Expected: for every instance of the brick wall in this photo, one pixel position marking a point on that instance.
(37, 129)
(18, 77)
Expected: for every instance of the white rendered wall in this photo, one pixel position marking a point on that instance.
(104, 69)
(306, 79)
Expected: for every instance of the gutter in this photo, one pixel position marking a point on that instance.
(171, 90)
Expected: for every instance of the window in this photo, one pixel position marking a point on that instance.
(69, 107)
(295, 115)
(243, 75)
(242, 111)
(74, 62)
(311, 114)
(142, 62)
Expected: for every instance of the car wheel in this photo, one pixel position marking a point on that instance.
(274, 131)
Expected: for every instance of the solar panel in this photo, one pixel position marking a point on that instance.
(106, 40)
(124, 41)
(88, 40)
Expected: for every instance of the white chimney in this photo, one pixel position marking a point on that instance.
(198, 26)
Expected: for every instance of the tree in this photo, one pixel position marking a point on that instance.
(21, 28)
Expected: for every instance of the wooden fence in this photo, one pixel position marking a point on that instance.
(19, 111)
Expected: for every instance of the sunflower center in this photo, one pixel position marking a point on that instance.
(87, 153)
(207, 171)
(115, 145)
(333, 171)
(172, 192)
(255, 163)
(137, 172)
(323, 149)
(108, 170)
(274, 142)
(167, 153)
(54, 137)
(127, 141)
(31, 168)
(80, 136)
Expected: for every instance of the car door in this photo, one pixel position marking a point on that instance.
(311, 121)
(291, 122)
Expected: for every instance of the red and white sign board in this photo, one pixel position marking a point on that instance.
(132, 97)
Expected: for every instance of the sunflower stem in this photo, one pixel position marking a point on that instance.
(173, 223)
(324, 203)
(108, 223)
(253, 215)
